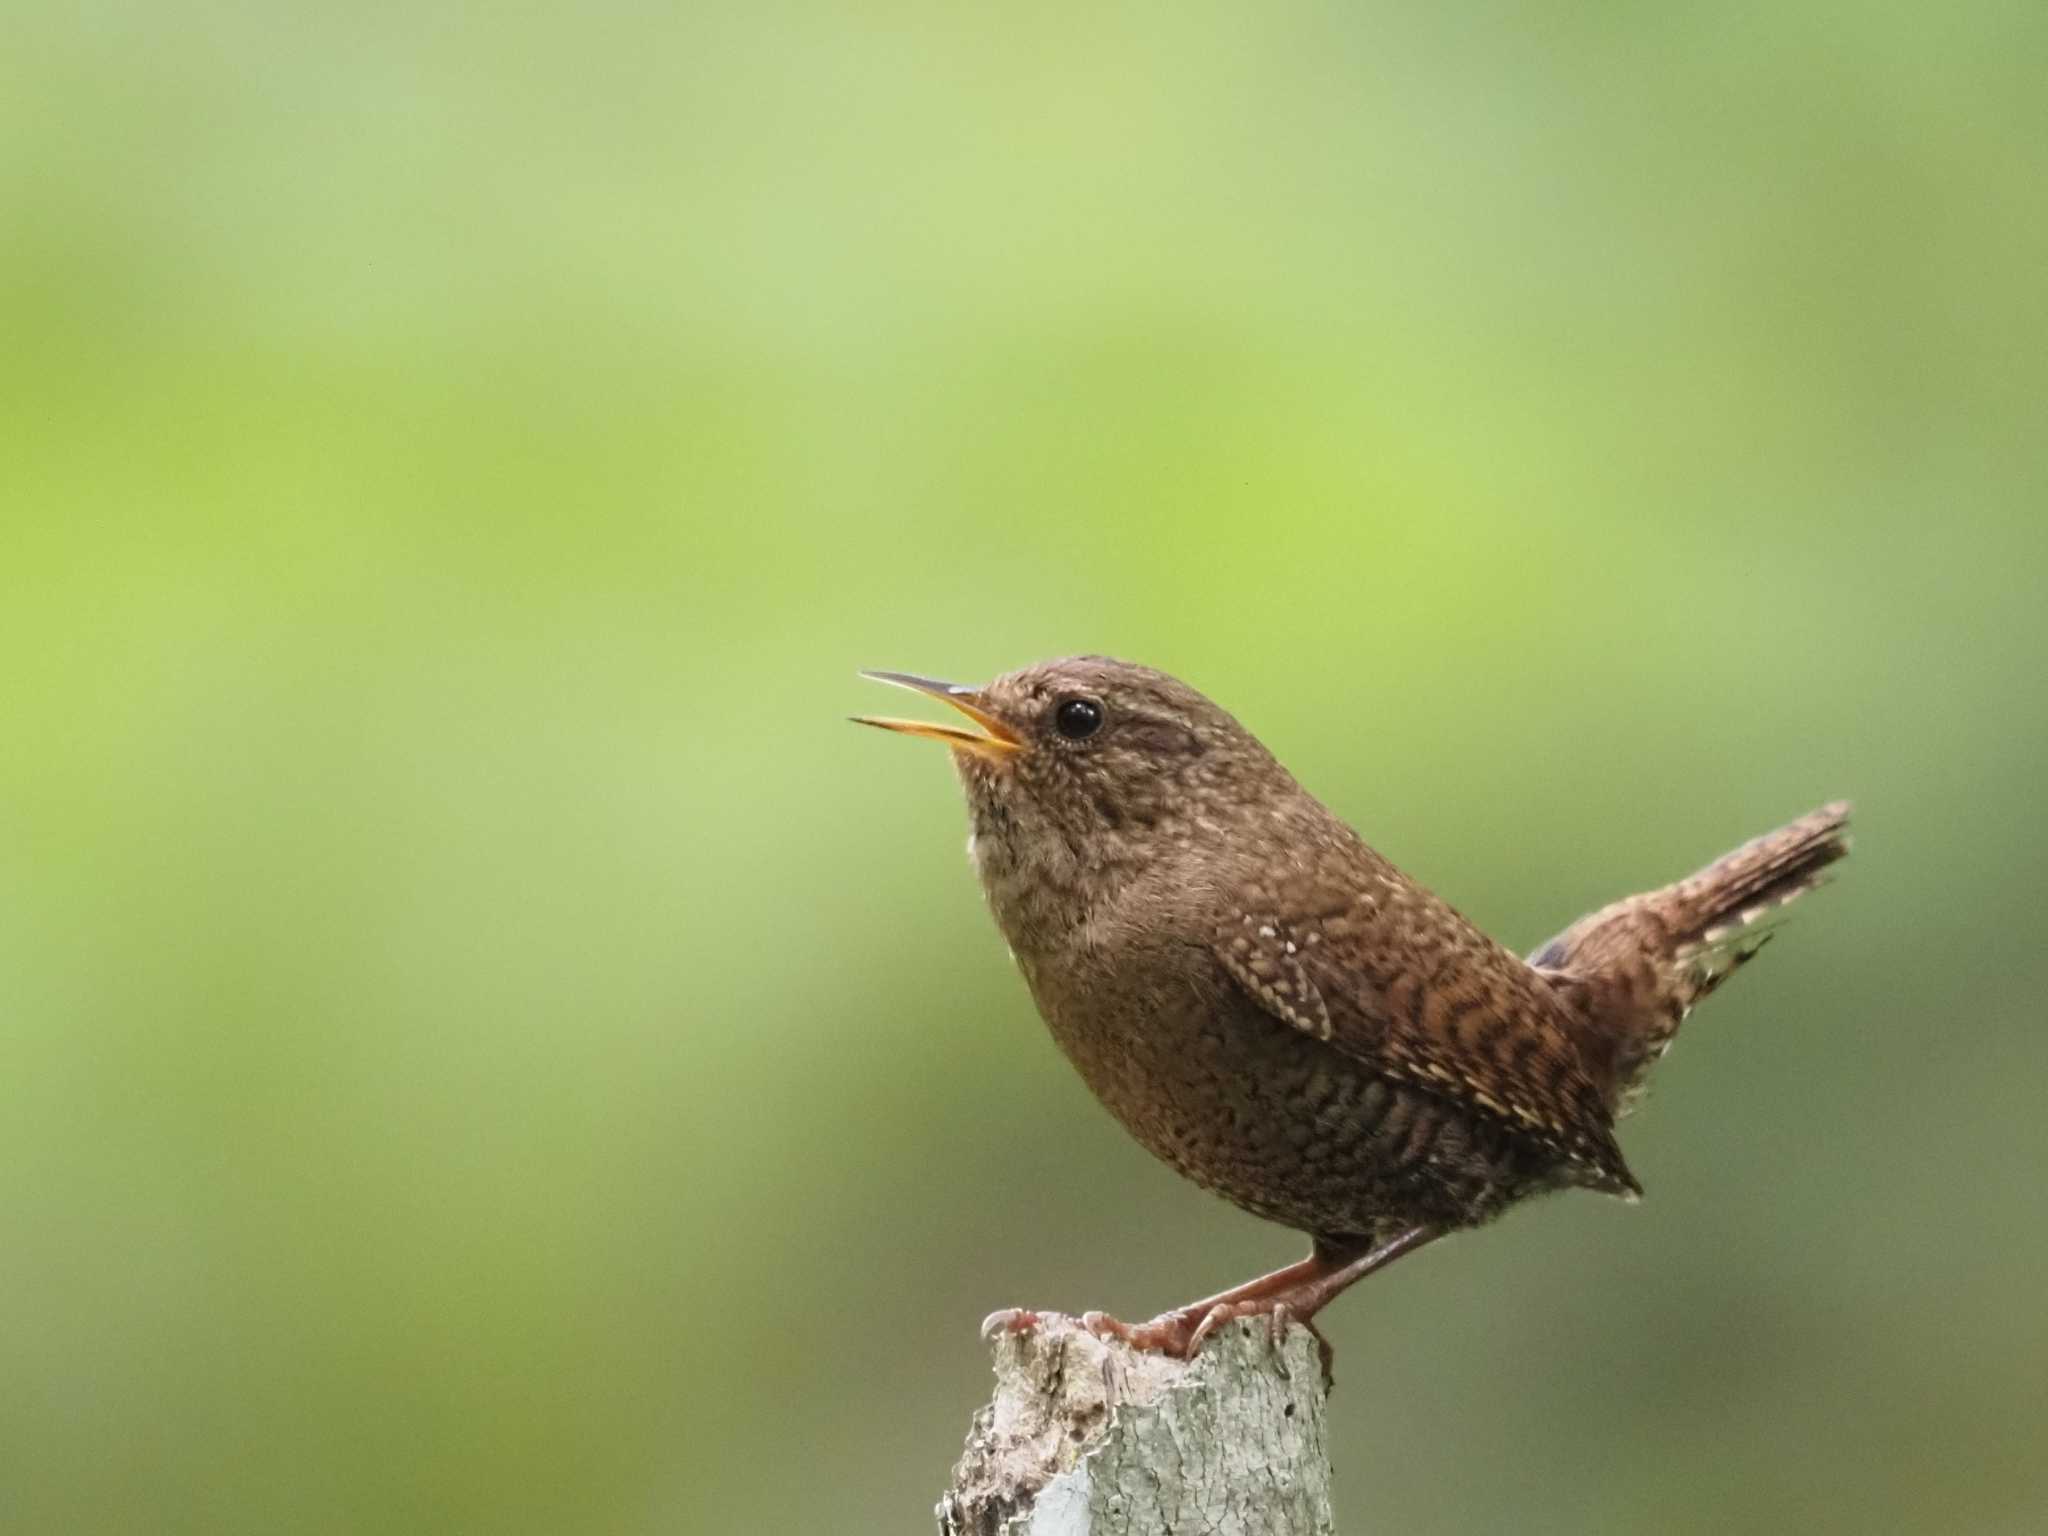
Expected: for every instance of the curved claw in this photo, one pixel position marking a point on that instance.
(1217, 1316)
(1008, 1320)
(1279, 1318)
(1105, 1327)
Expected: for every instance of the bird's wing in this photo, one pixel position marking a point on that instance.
(1393, 977)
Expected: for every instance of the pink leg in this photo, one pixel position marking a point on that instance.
(1293, 1294)
(1173, 1332)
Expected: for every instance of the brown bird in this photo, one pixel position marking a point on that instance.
(1280, 1014)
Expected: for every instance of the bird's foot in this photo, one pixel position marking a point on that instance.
(1009, 1320)
(1170, 1333)
(1183, 1332)
(1279, 1315)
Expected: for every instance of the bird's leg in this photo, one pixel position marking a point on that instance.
(1169, 1332)
(1291, 1295)
(1173, 1332)
(1180, 1330)
(1311, 1293)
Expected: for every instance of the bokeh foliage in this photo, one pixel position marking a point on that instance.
(487, 1049)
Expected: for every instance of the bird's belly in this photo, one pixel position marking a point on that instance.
(1285, 1126)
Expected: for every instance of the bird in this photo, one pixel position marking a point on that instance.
(1273, 1009)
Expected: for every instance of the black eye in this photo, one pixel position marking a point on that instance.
(1078, 718)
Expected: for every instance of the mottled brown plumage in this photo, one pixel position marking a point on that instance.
(1276, 1011)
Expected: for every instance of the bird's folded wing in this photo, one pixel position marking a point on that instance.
(1449, 1011)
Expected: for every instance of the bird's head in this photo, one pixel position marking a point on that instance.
(1086, 771)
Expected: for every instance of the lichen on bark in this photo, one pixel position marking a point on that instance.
(1088, 1437)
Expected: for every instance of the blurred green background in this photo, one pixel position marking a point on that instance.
(487, 1048)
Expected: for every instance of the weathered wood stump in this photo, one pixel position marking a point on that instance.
(1091, 1438)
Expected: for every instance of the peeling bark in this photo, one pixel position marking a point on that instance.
(1091, 1438)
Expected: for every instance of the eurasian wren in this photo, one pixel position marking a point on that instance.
(1284, 1017)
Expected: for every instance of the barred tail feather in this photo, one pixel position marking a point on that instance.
(1735, 893)
(1633, 970)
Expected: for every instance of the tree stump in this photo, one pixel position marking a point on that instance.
(1087, 1437)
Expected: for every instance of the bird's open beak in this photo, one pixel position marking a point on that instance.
(1000, 742)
